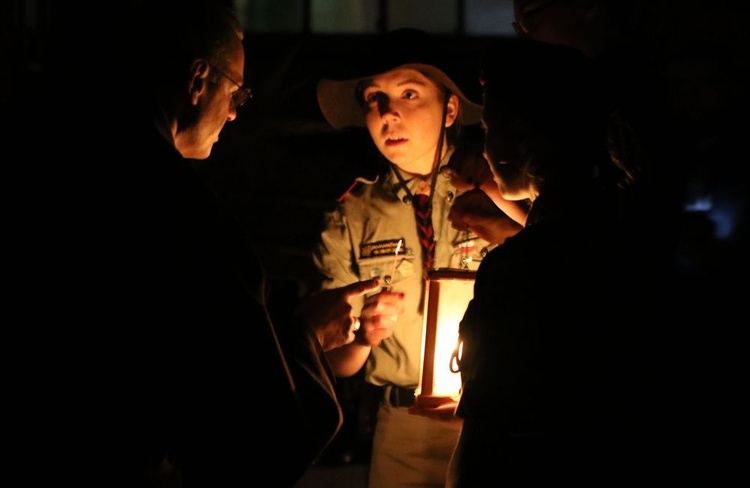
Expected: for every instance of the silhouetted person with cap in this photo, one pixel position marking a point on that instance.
(546, 366)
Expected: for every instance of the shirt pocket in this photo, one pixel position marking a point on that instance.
(388, 270)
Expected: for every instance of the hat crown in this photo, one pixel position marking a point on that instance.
(397, 48)
(405, 47)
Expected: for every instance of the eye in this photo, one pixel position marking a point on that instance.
(410, 94)
(371, 98)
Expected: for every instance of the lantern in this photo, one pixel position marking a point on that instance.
(447, 294)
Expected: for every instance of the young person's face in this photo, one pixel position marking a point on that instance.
(213, 107)
(404, 114)
(505, 147)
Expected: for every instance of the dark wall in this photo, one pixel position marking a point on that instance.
(279, 165)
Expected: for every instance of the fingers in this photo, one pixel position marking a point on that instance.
(447, 172)
(460, 226)
(469, 219)
(470, 173)
(386, 302)
(362, 287)
(457, 179)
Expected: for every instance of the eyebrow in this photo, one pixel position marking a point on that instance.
(408, 81)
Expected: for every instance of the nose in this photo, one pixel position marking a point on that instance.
(232, 114)
(385, 107)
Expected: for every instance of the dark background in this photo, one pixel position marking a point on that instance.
(279, 166)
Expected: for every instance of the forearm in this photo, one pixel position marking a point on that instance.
(347, 360)
(515, 210)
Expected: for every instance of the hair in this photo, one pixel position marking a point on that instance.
(171, 34)
(451, 133)
(556, 92)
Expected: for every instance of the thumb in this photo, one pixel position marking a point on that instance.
(447, 171)
(470, 219)
(362, 287)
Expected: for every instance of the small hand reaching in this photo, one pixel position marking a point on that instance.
(475, 212)
(379, 316)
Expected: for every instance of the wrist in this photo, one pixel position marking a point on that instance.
(361, 339)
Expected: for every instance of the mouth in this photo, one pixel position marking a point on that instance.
(395, 141)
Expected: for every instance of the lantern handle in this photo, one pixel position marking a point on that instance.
(455, 363)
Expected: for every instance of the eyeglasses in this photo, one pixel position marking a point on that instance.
(242, 95)
(525, 19)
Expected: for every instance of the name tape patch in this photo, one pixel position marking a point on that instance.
(380, 248)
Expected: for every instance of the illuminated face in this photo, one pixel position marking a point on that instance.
(404, 114)
(213, 106)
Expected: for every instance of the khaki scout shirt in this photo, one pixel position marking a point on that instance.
(359, 242)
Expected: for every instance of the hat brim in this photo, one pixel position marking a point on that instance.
(337, 101)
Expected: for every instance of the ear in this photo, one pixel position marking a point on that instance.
(451, 109)
(198, 76)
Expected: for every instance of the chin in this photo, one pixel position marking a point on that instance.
(200, 154)
(507, 192)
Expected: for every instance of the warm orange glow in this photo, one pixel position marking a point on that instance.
(448, 294)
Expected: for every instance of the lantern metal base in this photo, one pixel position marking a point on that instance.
(432, 401)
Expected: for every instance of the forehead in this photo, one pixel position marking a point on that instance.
(236, 61)
(400, 76)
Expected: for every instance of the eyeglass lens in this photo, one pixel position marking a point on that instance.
(241, 96)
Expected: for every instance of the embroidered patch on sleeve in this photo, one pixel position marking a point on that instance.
(380, 248)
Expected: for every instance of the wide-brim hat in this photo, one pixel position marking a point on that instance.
(402, 48)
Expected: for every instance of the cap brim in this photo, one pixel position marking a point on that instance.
(337, 101)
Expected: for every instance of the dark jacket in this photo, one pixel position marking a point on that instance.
(544, 364)
(185, 363)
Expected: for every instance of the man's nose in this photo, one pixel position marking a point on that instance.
(232, 114)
